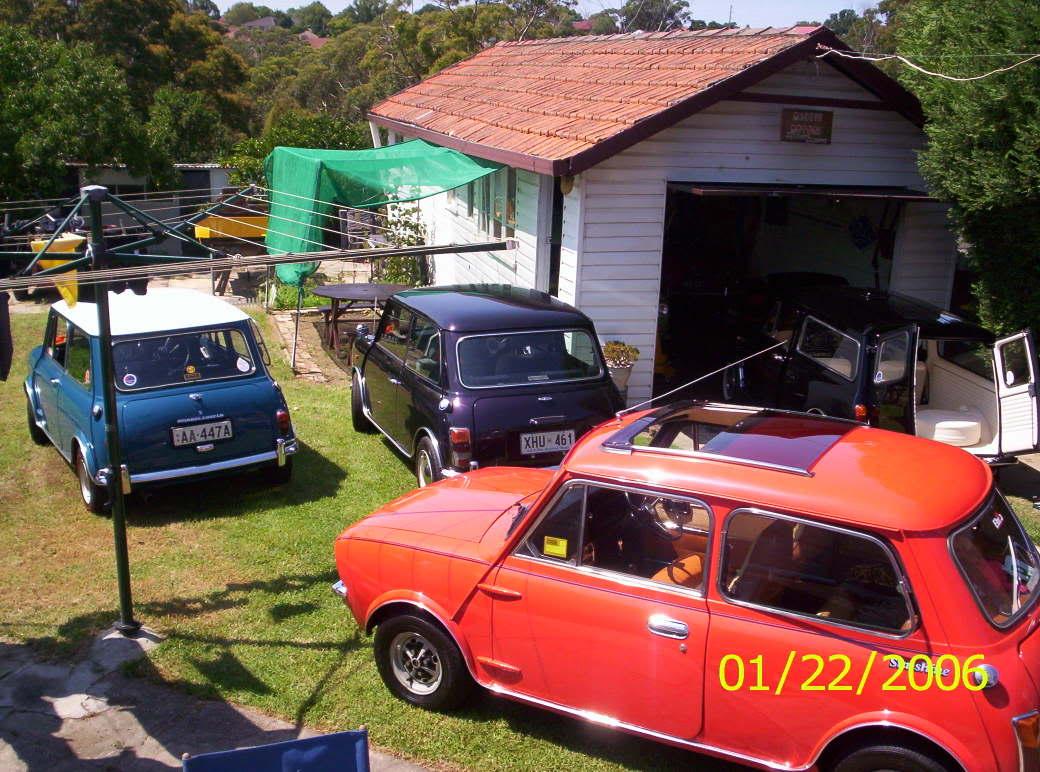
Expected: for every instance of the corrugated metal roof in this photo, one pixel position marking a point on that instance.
(559, 105)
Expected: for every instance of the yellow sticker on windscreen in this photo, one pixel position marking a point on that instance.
(555, 547)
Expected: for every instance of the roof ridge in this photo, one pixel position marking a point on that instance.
(675, 34)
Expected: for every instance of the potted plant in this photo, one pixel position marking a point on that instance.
(620, 357)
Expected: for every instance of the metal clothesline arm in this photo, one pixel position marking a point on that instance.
(54, 236)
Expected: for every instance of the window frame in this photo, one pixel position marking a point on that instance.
(851, 378)
(977, 514)
(525, 331)
(439, 335)
(903, 581)
(231, 327)
(882, 342)
(381, 334)
(72, 333)
(991, 378)
(51, 336)
(627, 580)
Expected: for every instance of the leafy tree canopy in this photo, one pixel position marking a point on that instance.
(294, 128)
(314, 17)
(983, 150)
(60, 102)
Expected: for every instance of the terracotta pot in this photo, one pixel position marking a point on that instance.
(620, 375)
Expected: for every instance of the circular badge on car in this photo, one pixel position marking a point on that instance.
(130, 380)
(242, 365)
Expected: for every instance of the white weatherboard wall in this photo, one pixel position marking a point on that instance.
(448, 224)
(622, 199)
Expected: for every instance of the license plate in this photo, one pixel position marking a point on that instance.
(193, 435)
(546, 442)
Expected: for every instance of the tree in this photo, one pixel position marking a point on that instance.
(603, 23)
(841, 22)
(183, 127)
(207, 7)
(314, 17)
(701, 24)
(294, 128)
(983, 151)
(651, 15)
(60, 103)
(240, 13)
(360, 12)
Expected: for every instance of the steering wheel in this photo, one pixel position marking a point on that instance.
(495, 345)
(659, 511)
(171, 349)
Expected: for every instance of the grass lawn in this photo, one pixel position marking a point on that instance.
(237, 575)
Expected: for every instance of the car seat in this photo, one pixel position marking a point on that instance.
(961, 428)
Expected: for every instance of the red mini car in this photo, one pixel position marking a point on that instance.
(773, 588)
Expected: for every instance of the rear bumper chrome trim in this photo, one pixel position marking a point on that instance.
(287, 448)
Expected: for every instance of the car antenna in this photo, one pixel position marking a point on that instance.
(627, 410)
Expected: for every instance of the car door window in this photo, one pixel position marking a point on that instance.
(830, 348)
(424, 349)
(662, 539)
(77, 355)
(637, 534)
(58, 340)
(891, 358)
(557, 534)
(1015, 358)
(811, 570)
(394, 329)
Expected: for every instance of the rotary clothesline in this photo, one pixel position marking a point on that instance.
(233, 262)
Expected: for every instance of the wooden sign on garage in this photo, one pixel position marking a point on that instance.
(812, 126)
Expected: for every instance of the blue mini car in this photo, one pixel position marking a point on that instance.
(194, 395)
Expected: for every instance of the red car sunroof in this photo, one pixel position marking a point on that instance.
(788, 441)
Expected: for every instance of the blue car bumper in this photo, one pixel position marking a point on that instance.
(282, 451)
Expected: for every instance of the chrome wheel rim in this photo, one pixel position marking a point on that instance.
(415, 663)
(84, 482)
(424, 465)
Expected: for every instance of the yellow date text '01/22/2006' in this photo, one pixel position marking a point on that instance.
(838, 673)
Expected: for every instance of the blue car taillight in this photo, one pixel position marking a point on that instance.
(281, 418)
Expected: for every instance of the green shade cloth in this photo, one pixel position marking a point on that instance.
(307, 184)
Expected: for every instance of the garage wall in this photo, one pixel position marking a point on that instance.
(448, 224)
(926, 254)
(619, 263)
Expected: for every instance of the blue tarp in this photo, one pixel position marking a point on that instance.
(339, 752)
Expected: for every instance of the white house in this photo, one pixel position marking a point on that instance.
(648, 176)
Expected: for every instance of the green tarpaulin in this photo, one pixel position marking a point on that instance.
(307, 184)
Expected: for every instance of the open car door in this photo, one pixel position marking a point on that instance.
(1014, 359)
(893, 379)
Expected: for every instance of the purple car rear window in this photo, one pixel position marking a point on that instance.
(771, 438)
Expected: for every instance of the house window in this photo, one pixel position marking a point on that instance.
(496, 204)
(470, 198)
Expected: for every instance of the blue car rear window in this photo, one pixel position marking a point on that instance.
(190, 357)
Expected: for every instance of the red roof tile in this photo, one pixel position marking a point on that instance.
(558, 106)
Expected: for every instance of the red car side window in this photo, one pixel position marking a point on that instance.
(557, 535)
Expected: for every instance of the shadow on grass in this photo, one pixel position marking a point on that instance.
(314, 478)
(1020, 479)
(609, 745)
(72, 635)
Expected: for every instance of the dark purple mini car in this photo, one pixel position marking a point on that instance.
(478, 375)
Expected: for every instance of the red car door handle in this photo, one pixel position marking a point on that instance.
(499, 592)
(659, 624)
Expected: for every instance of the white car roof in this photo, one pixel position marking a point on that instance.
(163, 309)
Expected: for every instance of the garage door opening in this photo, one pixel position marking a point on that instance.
(728, 249)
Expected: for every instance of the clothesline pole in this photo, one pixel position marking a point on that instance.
(127, 625)
(296, 333)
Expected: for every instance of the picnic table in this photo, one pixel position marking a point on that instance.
(347, 297)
